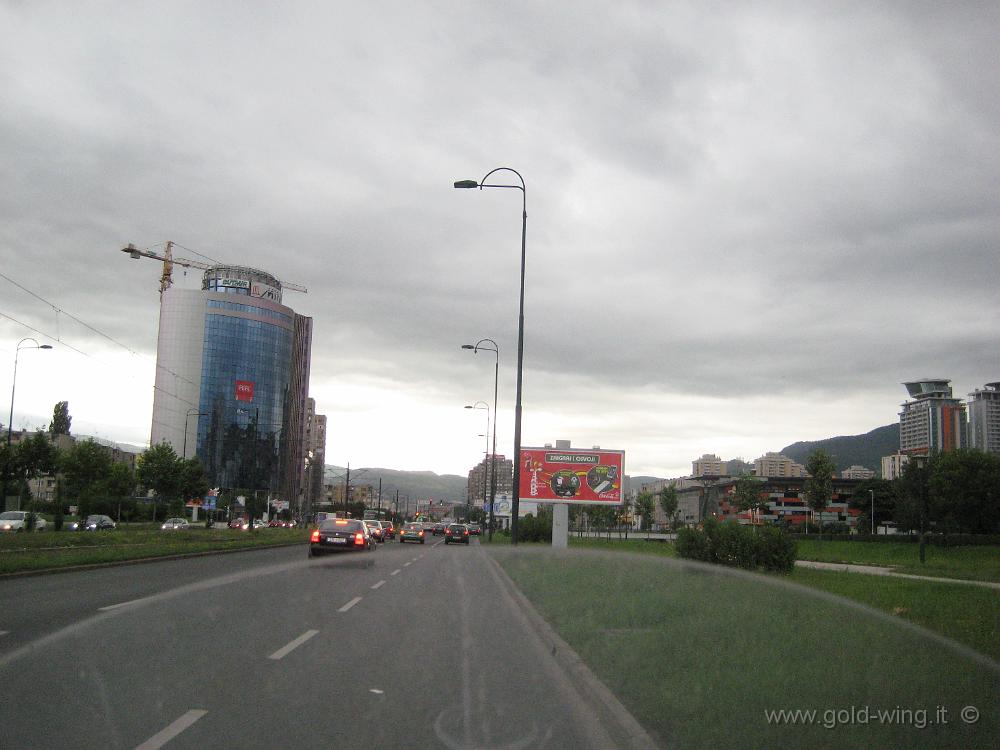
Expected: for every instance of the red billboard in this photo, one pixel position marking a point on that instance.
(244, 390)
(556, 475)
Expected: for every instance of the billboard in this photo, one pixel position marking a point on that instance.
(556, 475)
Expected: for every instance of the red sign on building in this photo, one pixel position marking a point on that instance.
(244, 390)
(553, 475)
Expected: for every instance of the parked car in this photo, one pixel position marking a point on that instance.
(456, 532)
(17, 520)
(98, 523)
(175, 523)
(340, 535)
(412, 532)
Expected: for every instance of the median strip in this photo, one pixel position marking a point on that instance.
(350, 604)
(164, 736)
(287, 649)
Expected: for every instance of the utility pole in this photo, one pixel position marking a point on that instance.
(347, 486)
(397, 503)
(380, 493)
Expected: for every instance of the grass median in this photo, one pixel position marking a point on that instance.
(52, 549)
(700, 655)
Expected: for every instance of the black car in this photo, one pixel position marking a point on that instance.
(340, 535)
(439, 528)
(456, 532)
(98, 523)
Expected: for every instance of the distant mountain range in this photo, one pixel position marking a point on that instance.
(849, 450)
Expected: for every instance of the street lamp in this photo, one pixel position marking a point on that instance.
(872, 493)
(486, 454)
(467, 184)
(493, 457)
(10, 420)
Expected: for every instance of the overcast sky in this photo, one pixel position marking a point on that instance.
(747, 222)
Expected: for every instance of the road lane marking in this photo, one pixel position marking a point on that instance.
(4, 632)
(285, 650)
(119, 605)
(164, 736)
(379, 584)
(350, 604)
(397, 570)
(405, 565)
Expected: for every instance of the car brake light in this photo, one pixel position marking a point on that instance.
(421, 533)
(359, 538)
(466, 532)
(315, 536)
(448, 532)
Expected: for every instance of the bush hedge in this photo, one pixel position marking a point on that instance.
(729, 543)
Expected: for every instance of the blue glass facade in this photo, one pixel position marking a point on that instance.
(241, 442)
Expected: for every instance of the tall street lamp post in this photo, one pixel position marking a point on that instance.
(493, 455)
(872, 493)
(467, 184)
(10, 420)
(190, 413)
(486, 453)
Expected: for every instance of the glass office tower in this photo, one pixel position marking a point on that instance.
(232, 379)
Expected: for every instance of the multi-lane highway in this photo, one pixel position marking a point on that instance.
(408, 646)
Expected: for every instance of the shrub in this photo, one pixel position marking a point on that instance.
(766, 547)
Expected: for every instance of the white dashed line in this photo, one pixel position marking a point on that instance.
(378, 585)
(397, 570)
(285, 650)
(164, 736)
(350, 604)
(4, 632)
(407, 564)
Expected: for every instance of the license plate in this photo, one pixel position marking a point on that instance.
(335, 540)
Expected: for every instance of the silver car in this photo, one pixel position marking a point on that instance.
(17, 520)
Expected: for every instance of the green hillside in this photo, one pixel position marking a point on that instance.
(847, 450)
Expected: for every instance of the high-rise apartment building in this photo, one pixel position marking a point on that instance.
(315, 457)
(892, 466)
(708, 465)
(232, 378)
(480, 472)
(777, 465)
(984, 418)
(857, 472)
(934, 422)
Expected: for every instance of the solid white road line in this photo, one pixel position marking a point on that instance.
(164, 736)
(379, 584)
(285, 650)
(397, 570)
(350, 604)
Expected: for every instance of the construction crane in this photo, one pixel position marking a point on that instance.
(169, 261)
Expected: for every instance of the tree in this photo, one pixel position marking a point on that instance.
(746, 493)
(883, 492)
(914, 509)
(668, 502)
(964, 490)
(644, 507)
(158, 469)
(819, 485)
(61, 419)
(85, 468)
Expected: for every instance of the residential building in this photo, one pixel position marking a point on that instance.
(892, 465)
(857, 472)
(777, 465)
(984, 418)
(315, 457)
(708, 465)
(934, 422)
(481, 474)
(232, 375)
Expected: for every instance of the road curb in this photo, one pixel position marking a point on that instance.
(610, 710)
(140, 560)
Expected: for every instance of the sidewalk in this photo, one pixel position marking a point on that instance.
(875, 570)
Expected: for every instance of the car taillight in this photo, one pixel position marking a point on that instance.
(315, 536)
(448, 532)
(466, 532)
(421, 533)
(359, 538)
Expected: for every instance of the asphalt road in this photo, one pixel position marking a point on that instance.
(415, 646)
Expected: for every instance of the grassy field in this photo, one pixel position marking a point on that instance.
(699, 654)
(973, 563)
(968, 614)
(52, 549)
